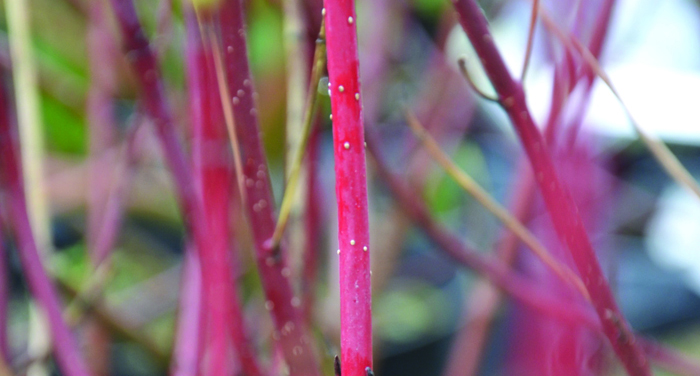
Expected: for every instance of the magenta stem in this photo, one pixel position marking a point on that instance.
(350, 188)
(144, 65)
(65, 349)
(186, 351)
(210, 157)
(313, 225)
(291, 332)
(563, 211)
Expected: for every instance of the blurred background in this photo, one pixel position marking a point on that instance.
(645, 227)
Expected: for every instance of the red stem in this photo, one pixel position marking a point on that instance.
(186, 351)
(312, 223)
(241, 339)
(466, 354)
(350, 188)
(291, 331)
(64, 346)
(144, 65)
(210, 157)
(563, 211)
(213, 170)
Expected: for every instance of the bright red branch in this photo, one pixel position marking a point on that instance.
(350, 187)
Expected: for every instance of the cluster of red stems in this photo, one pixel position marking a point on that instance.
(223, 116)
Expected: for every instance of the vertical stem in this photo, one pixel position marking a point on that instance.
(31, 141)
(297, 57)
(241, 338)
(465, 356)
(28, 118)
(185, 360)
(312, 226)
(563, 211)
(211, 169)
(67, 355)
(350, 187)
(296, 165)
(144, 65)
(291, 331)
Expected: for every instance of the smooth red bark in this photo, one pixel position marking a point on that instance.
(350, 188)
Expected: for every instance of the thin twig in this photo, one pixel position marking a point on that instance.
(298, 64)
(228, 112)
(493, 270)
(530, 39)
(480, 194)
(462, 62)
(485, 299)
(502, 277)
(309, 111)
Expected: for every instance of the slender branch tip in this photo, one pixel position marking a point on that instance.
(462, 62)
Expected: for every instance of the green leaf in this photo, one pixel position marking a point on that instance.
(64, 129)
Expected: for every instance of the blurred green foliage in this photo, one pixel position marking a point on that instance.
(443, 194)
